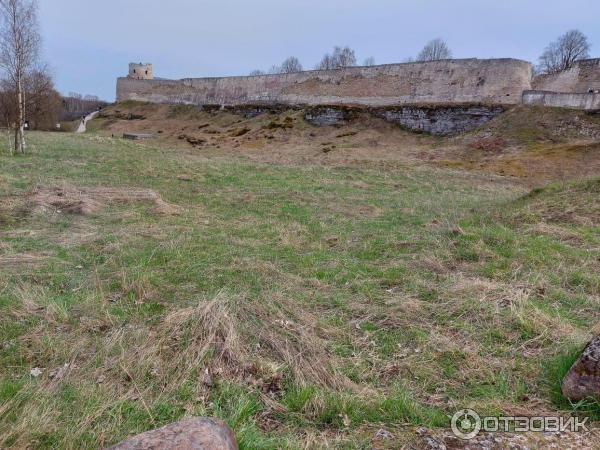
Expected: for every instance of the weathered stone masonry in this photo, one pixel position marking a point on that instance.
(140, 71)
(582, 78)
(575, 88)
(493, 81)
(586, 102)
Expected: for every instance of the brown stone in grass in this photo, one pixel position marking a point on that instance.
(200, 433)
(583, 379)
(207, 379)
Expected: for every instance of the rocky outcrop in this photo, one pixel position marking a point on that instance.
(438, 120)
(328, 115)
(583, 379)
(194, 434)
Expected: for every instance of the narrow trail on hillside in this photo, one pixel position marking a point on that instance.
(83, 125)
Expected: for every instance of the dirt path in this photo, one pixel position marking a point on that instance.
(82, 126)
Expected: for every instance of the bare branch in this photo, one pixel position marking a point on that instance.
(435, 50)
(340, 59)
(290, 65)
(563, 53)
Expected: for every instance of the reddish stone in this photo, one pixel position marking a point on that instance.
(200, 433)
(583, 379)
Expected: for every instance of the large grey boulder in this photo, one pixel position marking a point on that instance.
(583, 379)
(200, 433)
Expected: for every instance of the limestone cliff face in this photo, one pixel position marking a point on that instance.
(447, 82)
(438, 120)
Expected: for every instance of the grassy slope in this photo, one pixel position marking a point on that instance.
(325, 303)
(534, 144)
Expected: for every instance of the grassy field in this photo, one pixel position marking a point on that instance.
(306, 306)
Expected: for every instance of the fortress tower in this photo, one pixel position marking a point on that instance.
(140, 71)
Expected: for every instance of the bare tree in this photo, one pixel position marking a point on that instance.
(19, 48)
(344, 57)
(370, 61)
(75, 105)
(290, 65)
(564, 52)
(341, 58)
(256, 72)
(435, 50)
(326, 63)
(43, 103)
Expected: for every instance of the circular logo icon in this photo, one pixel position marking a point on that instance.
(466, 424)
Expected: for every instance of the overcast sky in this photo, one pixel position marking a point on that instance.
(88, 44)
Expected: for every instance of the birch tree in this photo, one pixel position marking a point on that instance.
(19, 51)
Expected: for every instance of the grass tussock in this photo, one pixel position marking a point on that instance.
(88, 201)
(246, 340)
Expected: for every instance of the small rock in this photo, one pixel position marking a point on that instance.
(58, 373)
(332, 241)
(457, 231)
(383, 435)
(198, 433)
(207, 379)
(583, 379)
(346, 420)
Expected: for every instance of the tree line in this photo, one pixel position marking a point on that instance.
(559, 55)
(344, 57)
(75, 105)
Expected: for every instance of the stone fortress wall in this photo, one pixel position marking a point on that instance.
(575, 88)
(582, 78)
(461, 81)
(586, 102)
(439, 97)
